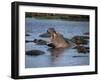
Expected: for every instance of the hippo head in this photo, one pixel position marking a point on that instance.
(51, 31)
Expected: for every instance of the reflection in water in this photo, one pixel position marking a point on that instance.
(55, 54)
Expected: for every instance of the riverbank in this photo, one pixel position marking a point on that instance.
(58, 16)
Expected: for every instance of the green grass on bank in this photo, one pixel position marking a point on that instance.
(58, 16)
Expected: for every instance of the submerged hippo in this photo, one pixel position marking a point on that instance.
(57, 39)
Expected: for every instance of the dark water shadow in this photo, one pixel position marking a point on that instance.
(35, 52)
(55, 54)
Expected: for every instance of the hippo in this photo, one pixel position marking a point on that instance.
(82, 49)
(57, 39)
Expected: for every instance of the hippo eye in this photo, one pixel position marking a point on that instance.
(48, 32)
